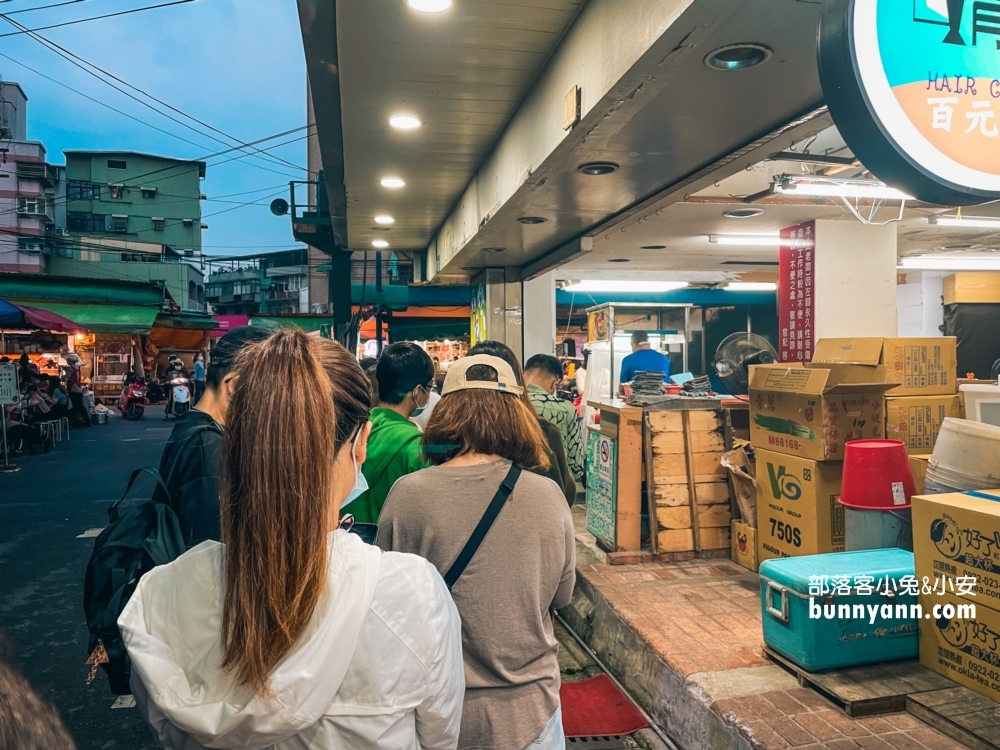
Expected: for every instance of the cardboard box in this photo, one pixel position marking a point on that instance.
(744, 549)
(962, 647)
(918, 465)
(916, 420)
(957, 536)
(798, 508)
(812, 411)
(971, 286)
(921, 366)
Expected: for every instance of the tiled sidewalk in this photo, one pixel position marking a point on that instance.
(702, 673)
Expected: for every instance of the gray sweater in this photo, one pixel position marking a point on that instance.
(525, 567)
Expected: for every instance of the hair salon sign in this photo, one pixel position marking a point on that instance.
(914, 88)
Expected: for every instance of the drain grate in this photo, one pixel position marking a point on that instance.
(602, 743)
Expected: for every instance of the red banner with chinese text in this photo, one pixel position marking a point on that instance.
(797, 293)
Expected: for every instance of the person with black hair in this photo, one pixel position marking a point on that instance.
(405, 377)
(191, 462)
(542, 375)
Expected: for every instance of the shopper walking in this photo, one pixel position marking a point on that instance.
(199, 378)
(405, 378)
(543, 373)
(74, 386)
(294, 633)
(480, 437)
(558, 471)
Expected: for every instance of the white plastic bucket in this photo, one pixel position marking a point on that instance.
(966, 455)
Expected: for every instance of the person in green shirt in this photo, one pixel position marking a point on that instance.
(405, 377)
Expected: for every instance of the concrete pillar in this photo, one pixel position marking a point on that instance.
(496, 303)
(855, 279)
(539, 327)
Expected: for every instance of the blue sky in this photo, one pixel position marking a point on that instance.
(235, 64)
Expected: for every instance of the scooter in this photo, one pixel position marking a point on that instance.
(132, 402)
(181, 401)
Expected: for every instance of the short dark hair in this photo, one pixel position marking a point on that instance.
(367, 362)
(545, 363)
(401, 368)
(226, 350)
(639, 337)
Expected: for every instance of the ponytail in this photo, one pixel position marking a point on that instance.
(276, 502)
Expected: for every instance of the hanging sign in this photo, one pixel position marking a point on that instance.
(797, 293)
(914, 89)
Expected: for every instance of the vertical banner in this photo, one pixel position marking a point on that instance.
(797, 293)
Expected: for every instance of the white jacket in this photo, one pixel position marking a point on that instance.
(379, 666)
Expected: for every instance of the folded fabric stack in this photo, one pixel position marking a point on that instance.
(648, 383)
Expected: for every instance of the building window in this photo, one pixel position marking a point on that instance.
(82, 221)
(31, 245)
(117, 191)
(158, 225)
(30, 205)
(117, 164)
(81, 190)
(148, 192)
(119, 223)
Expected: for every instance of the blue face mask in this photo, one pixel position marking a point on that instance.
(360, 483)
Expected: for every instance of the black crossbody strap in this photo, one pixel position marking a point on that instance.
(485, 524)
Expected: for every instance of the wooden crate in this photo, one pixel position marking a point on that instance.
(686, 484)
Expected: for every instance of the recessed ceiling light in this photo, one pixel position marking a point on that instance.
(429, 6)
(393, 183)
(380, 244)
(738, 57)
(381, 229)
(598, 168)
(532, 220)
(384, 219)
(959, 246)
(404, 122)
(619, 260)
(493, 249)
(653, 247)
(743, 213)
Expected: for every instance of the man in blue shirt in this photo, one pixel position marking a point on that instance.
(643, 359)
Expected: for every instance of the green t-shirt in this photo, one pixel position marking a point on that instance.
(394, 450)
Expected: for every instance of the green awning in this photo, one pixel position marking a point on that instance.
(428, 329)
(188, 321)
(308, 323)
(65, 289)
(102, 318)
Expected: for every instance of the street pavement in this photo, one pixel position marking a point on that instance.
(44, 509)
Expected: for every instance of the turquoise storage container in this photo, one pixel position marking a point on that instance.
(789, 602)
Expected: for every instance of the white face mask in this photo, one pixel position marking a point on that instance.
(420, 409)
(360, 483)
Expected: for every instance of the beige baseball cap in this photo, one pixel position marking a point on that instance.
(455, 380)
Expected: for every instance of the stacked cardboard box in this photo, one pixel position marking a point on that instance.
(800, 419)
(926, 370)
(956, 550)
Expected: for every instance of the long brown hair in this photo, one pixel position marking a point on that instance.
(297, 401)
(488, 422)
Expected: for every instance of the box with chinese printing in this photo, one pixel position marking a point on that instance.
(960, 639)
(812, 411)
(840, 610)
(916, 420)
(921, 366)
(957, 536)
(798, 508)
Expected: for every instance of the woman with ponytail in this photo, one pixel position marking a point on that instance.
(293, 633)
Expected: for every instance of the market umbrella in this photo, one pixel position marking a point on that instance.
(23, 315)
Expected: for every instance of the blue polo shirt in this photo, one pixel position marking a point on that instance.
(644, 360)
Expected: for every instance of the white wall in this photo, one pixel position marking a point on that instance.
(539, 315)
(855, 279)
(921, 312)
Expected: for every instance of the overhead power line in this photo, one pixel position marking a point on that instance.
(45, 7)
(97, 18)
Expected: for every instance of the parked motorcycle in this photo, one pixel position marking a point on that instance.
(132, 401)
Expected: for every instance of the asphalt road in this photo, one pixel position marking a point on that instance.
(44, 508)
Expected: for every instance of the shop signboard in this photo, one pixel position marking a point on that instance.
(602, 486)
(914, 89)
(797, 293)
(478, 327)
(9, 393)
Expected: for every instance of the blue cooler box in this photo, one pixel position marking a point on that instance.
(788, 592)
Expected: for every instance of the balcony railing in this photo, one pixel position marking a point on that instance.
(33, 170)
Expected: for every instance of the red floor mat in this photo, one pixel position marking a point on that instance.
(597, 708)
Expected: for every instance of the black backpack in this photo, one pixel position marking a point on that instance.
(140, 535)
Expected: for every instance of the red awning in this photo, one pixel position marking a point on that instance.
(49, 321)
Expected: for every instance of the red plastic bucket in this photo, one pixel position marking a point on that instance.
(877, 475)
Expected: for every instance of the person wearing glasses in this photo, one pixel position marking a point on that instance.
(405, 377)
